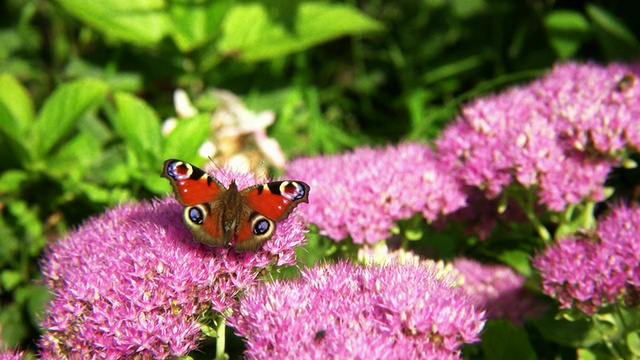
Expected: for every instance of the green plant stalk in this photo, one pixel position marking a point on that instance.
(221, 338)
(528, 208)
(606, 340)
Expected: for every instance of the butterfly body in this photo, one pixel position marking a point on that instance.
(220, 216)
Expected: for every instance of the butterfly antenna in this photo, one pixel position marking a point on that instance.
(220, 170)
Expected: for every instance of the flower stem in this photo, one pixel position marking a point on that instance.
(529, 211)
(607, 342)
(221, 338)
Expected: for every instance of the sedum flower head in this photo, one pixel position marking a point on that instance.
(559, 135)
(11, 355)
(345, 310)
(131, 282)
(499, 290)
(362, 193)
(588, 272)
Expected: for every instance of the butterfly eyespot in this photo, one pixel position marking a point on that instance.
(261, 227)
(196, 215)
(292, 190)
(177, 170)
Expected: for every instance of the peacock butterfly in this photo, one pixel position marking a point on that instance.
(216, 215)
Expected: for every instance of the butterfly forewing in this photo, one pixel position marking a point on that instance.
(191, 184)
(277, 199)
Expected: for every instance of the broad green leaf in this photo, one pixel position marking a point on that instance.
(139, 125)
(617, 41)
(633, 342)
(196, 22)
(254, 31)
(567, 30)
(592, 354)
(142, 22)
(19, 105)
(580, 332)
(9, 279)
(16, 114)
(16, 148)
(517, 259)
(74, 157)
(11, 181)
(62, 110)
(156, 184)
(209, 331)
(11, 318)
(39, 296)
(504, 340)
(187, 137)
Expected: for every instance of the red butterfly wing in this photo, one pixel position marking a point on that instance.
(191, 184)
(201, 196)
(277, 199)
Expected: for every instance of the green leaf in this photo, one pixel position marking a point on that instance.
(633, 342)
(580, 332)
(592, 354)
(187, 137)
(517, 259)
(9, 279)
(143, 22)
(617, 41)
(196, 22)
(9, 243)
(34, 297)
(62, 110)
(16, 116)
(27, 218)
(567, 30)
(257, 31)
(139, 125)
(209, 331)
(11, 181)
(503, 340)
(18, 103)
(74, 157)
(11, 318)
(156, 184)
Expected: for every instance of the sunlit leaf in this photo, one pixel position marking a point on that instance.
(139, 125)
(196, 22)
(136, 21)
(567, 30)
(62, 110)
(257, 31)
(186, 138)
(18, 103)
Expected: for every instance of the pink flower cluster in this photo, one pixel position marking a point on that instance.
(132, 282)
(11, 355)
(346, 311)
(559, 135)
(586, 273)
(362, 193)
(499, 290)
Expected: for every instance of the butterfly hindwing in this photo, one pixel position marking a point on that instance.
(269, 203)
(277, 199)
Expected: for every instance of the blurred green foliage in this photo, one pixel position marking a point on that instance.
(84, 87)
